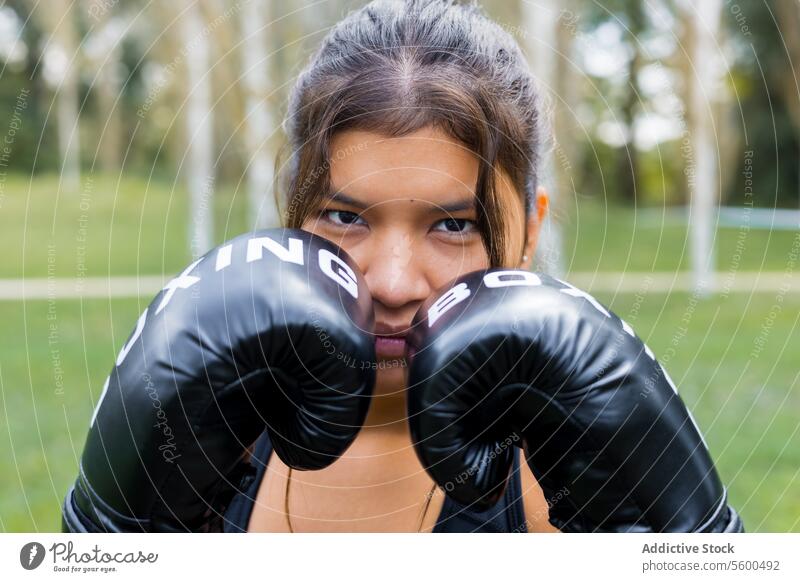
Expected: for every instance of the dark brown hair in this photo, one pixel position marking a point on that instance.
(396, 66)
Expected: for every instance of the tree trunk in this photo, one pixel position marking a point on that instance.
(109, 147)
(58, 18)
(200, 133)
(259, 121)
(627, 159)
(704, 184)
(542, 22)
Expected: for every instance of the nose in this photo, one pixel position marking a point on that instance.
(395, 274)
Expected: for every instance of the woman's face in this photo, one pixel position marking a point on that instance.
(404, 209)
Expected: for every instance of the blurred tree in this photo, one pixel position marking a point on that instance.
(787, 15)
(102, 47)
(200, 169)
(61, 61)
(765, 81)
(545, 44)
(225, 42)
(33, 148)
(259, 121)
(626, 102)
(136, 65)
(158, 86)
(704, 166)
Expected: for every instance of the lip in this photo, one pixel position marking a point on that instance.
(390, 340)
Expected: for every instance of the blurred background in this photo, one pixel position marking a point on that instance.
(135, 135)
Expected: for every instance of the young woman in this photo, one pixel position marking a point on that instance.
(415, 134)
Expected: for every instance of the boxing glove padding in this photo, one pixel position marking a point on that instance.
(510, 353)
(264, 332)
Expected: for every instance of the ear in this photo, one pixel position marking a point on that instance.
(533, 227)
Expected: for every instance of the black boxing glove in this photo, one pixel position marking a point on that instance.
(506, 357)
(264, 331)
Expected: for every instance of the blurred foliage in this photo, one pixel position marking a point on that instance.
(765, 82)
(754, 102)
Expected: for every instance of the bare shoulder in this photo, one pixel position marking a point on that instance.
(536, 512)
(268, 514)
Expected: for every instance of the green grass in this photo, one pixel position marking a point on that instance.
(746, 400)
(108, 227)
(601, 237)
(44, 418)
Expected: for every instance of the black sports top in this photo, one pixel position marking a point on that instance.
(507, 516)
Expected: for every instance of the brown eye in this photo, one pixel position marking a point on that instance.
(342, 217)
(455, 225)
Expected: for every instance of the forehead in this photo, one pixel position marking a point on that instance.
(426, 165)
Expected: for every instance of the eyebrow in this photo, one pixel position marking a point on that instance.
(457, 206)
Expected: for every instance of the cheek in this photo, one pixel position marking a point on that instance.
(447, 263)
